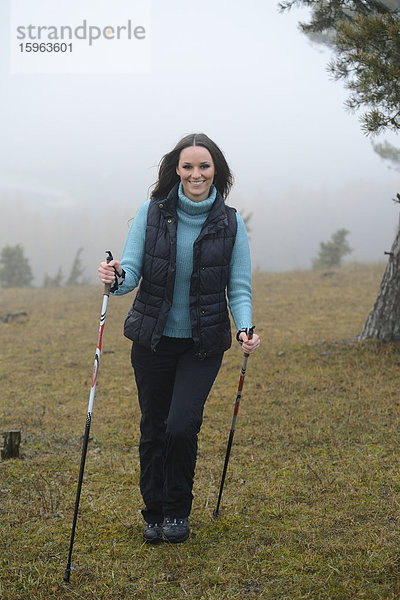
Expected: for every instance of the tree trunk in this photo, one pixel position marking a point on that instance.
(383, 322)
(12, 440)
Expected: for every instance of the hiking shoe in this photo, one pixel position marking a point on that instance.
(175, 530)
(153, 533)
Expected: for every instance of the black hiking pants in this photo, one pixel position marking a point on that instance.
(172, 386)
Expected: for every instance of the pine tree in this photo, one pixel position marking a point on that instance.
(389, 153)
(53, 281)
(15, 270)
(74, 278)
(365, 37)
(332, 252)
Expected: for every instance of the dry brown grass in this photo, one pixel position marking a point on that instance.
(311, 502)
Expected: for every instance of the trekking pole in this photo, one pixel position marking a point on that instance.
(107, 287)
(233, 426)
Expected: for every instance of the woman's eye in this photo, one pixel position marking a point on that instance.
(187, 167)
(205, 166)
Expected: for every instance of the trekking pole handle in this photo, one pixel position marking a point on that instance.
(107, 286)
(249, 332)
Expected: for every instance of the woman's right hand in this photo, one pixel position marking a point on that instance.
(106, 271)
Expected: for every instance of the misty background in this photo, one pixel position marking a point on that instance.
(78, 153)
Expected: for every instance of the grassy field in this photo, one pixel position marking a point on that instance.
(311, 503)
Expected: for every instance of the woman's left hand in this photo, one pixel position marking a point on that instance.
(249, 345)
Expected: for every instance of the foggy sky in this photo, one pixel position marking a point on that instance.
(79, 152)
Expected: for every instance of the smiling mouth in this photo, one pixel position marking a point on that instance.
(196, 182)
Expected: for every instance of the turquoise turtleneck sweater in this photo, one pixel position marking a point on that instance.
(191, 217)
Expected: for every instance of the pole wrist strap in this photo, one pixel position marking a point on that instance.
(247, 330)
(118, 281)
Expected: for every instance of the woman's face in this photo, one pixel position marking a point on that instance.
(196, 170)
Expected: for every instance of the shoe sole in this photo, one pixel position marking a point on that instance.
(153, 542)
(175, 541)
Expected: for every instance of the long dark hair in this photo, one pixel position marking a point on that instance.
(168, 177)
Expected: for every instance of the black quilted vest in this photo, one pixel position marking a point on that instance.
(212, 252)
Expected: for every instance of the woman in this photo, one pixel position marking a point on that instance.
(186, 247)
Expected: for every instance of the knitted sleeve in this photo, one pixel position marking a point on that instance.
(132, 255)
(239, 285)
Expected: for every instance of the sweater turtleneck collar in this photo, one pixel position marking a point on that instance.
(196, 208)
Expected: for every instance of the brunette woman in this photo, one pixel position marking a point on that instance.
(188, 250)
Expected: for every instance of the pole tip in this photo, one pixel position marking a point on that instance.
(67, 574)
(216, 513)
